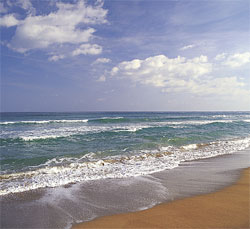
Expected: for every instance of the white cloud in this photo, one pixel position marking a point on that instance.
(91, 49)
(158, 70)
(101, 60)
(209, 86)
(187, 47)
(220, 57)
(237, 60)
(56, 57)
(221, 86)
(101, 79)
(67, 25)
(179, 75)
(8, 20)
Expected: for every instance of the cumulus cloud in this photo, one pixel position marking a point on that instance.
(91, 49)
(68, 25)
(187, 47)
(101, 60)
(9, 20)
(158, 70)
(237, 60)
(178, 75)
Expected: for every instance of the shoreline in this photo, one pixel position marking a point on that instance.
(226, 208)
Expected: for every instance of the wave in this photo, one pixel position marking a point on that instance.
(204, 122)
(131, 128)
(118, 119)
(103, 119)
(64, 131)
(43, 137)
(43, 122)
(98, 120)
(111, 118)
(62, 171)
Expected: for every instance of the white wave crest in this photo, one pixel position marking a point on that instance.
(32, 138)
(45, 121)
(112, 117)
(131, 128)
(71, 131)
(190, 147)
(197, 122)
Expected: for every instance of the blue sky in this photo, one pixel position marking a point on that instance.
(124, 55)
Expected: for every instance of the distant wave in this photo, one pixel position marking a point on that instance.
(67, 131)
(43, 122)
(109, 120)
(204, 122)
(102, 120)
(43, 137)
(114, 120)
(94, 130)
(64, 132)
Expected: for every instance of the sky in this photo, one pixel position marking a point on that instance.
(125, 55)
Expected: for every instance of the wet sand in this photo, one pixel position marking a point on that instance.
(226, 208)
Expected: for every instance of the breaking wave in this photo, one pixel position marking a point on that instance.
(62, 171)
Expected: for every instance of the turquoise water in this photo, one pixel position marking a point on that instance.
(51, 149)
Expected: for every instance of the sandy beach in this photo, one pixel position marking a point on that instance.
(226, 208)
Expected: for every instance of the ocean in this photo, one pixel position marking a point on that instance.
(43, 150)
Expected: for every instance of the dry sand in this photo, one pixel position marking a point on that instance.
(227, 208)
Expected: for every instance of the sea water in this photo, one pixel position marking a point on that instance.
(40, 150)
